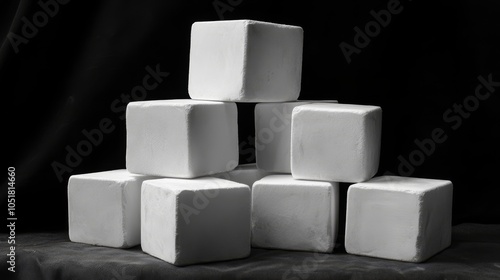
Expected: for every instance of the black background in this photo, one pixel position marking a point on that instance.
(428, 58)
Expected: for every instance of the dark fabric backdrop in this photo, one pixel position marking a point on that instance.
(68, 67)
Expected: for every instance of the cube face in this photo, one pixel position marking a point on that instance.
(383, 223)
(219, 231)
(273, 133)
(274, 62)
(181, 138)
(436, 218)
(217, 60)
(399, 218)
(194, 221)
(158, 227)
(213, 138)
(245, 61)
(157, 133)
(335, 142)
(294, 214)
(104, 208)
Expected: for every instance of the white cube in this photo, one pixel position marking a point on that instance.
(245, 61)
(104, 208)
(273, 132)
(181, 138)
(336, 142)
(189, 221)
(294, 214)
(244, 174)
(399, 218)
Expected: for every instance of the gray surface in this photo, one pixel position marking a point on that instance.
(474, 254)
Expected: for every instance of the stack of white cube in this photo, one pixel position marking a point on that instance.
(184, 198)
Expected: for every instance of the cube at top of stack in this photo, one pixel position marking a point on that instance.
(245, 61)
